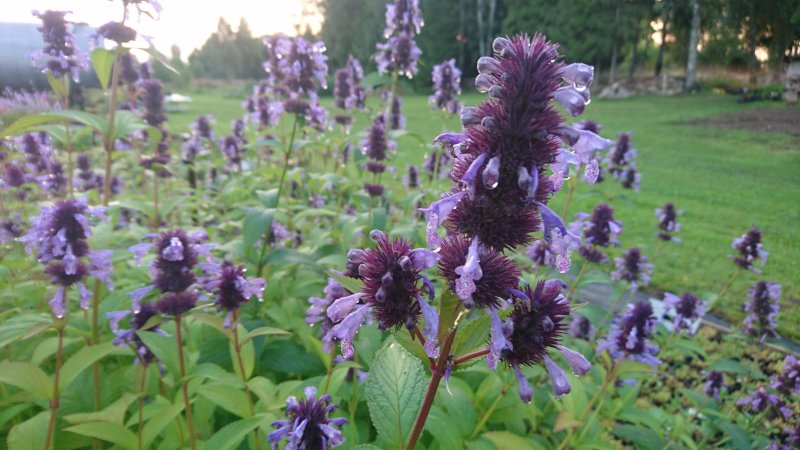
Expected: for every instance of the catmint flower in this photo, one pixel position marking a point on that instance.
(399, 53)
(585, 145)
(581, 328)
(629, 334)
(394, 292)
(714, 384)
(668, 224)
(136, 322)
(172, 271)
(374, 190)
(554, 251)
(202, 127)
(631, 179)
(535, 325)
(403, 16)
(297, 69)
(495, 273)
(749, 249)
(788, 381)
(116, 32)
(226, 282)
(14, 176)
(309, 425)
(128, 69)
(633, 267)
(446, 87)
(11, 229)
(763, 401)
(397, 121)
(58, 236)
(508, 144)
(411, 178)
(37, 151)
(622, 156)
(232, 151)
(316, 313)
(762, 308)
(153, 100)
(687, 309)
(266, 114)
(377, 144)
(87, 179)
(61, 55)
(238, 129)
(599, 229)
(54, 182)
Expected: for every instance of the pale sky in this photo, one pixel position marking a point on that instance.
(187, 23)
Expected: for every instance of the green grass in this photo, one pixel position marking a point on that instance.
(726, 180)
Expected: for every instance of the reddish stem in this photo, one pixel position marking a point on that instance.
(472, 355)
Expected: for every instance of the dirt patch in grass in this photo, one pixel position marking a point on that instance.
(773, 120)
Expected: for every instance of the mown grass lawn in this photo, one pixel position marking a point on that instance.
(725, 180)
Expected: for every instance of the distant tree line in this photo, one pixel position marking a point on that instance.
(616, 36)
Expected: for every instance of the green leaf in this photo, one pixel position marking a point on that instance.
(159, 421)
(12, 412)
(738, 436)
(164, 348)
(729, 366)
(268, 198)
(262, 331)
(27, 377)
(640, 436)
(102, 63)
(505, 440)
(394, 393)
(107, 431)
(228, 397)
(22, 327)
(57, 85)
(351, 284)
(25, 123)
(229, 436)
(257, 223)
(84, 358)
(29, 435)
(471, 337)
(125, 122)
(281, 256)
(113, 413)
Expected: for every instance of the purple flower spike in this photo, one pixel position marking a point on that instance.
(634, 268)
(687, 309)
(228, 286)
(763, 401)
(497, 342)
(572, 100)
(750, 249)
(446, 86)
(715, 384)
(309, 425)
(762, 307)
(629, 334)
(668, 224)
(787, 383)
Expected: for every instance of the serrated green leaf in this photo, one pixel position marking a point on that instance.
(281, 256)
(107, 431)
(102, 63)
(394, 393)
(229, 436)
(27, 377)
(27, 122)
(81, 360)
(28, 435)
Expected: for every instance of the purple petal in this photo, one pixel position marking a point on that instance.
(557, 376)
(343, 306)
(525, 391)
(469, 176)
(468, 273)
(423, 258)
(580, 365)
(347, 328)
(139, 250)
(491, 174)
(138, 295)
(571, 100)
(579, 74)
(431, 330)
(58, 304)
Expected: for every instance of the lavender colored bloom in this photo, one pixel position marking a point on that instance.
(411, 178)
(446, 87)
(687, 309)
(629, 334)
(581, 328)
(226, 282)
(599, 229)
(714, 384)
(11, 229)
(621, 156)
(377, 144)
(536, 325)
(392, 292)
(128, 69)
(153, 101)
(266, 113)
(297, 68)
(26, 102)
(232, 152)
(397, 121)
(398, 54)
(310, 425)
(585, 146)
(633, 267)
(668, 224)
(59, 237)
(60, 52)
(202, 127)
(508, 144)
(37, 151)
(787, 383)
(763, 401)
(138, 323)
(762, 308)
(238, 129)
(749, 250)
(115, 31)
(553, 251)
(317, 312)
(403, 16)
(14, 176)
(631, 179)
(498, 274)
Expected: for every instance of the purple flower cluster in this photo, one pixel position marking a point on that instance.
(152, 96)
(376, 147)
(599, 229)
(316, 313)
(411, 178)
(715, 382)
(668, 224)
(11, 229)
(437, 161)
(749, 250)
(586, 143)
(397, 121)
(633, 267)
(765, 402)
(61, 54)
(446, 87)
(621, 162)
(41, 166)
(499, 196)
(348, 91)
(227, 283)
(687, 309)
(138, 322)
(787, 383)
(394, 292)
(26, 102)
(172, 271)
(87, 179)
(400, 52)
(581, 328)
(116, 32)
(535, 325)
(59, 237)
(629, 334)
(554, 252)
(310, 425)
(762, 308)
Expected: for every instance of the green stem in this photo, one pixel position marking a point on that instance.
(184, 384)
(54, 403)
(329, 373)
(240, 361)
(728, 284)
(156, 218)
(569, 197)
(109, 139)
(489, 412)
(142, 384)
(578, 278)
(287, 156)
(611, 375)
